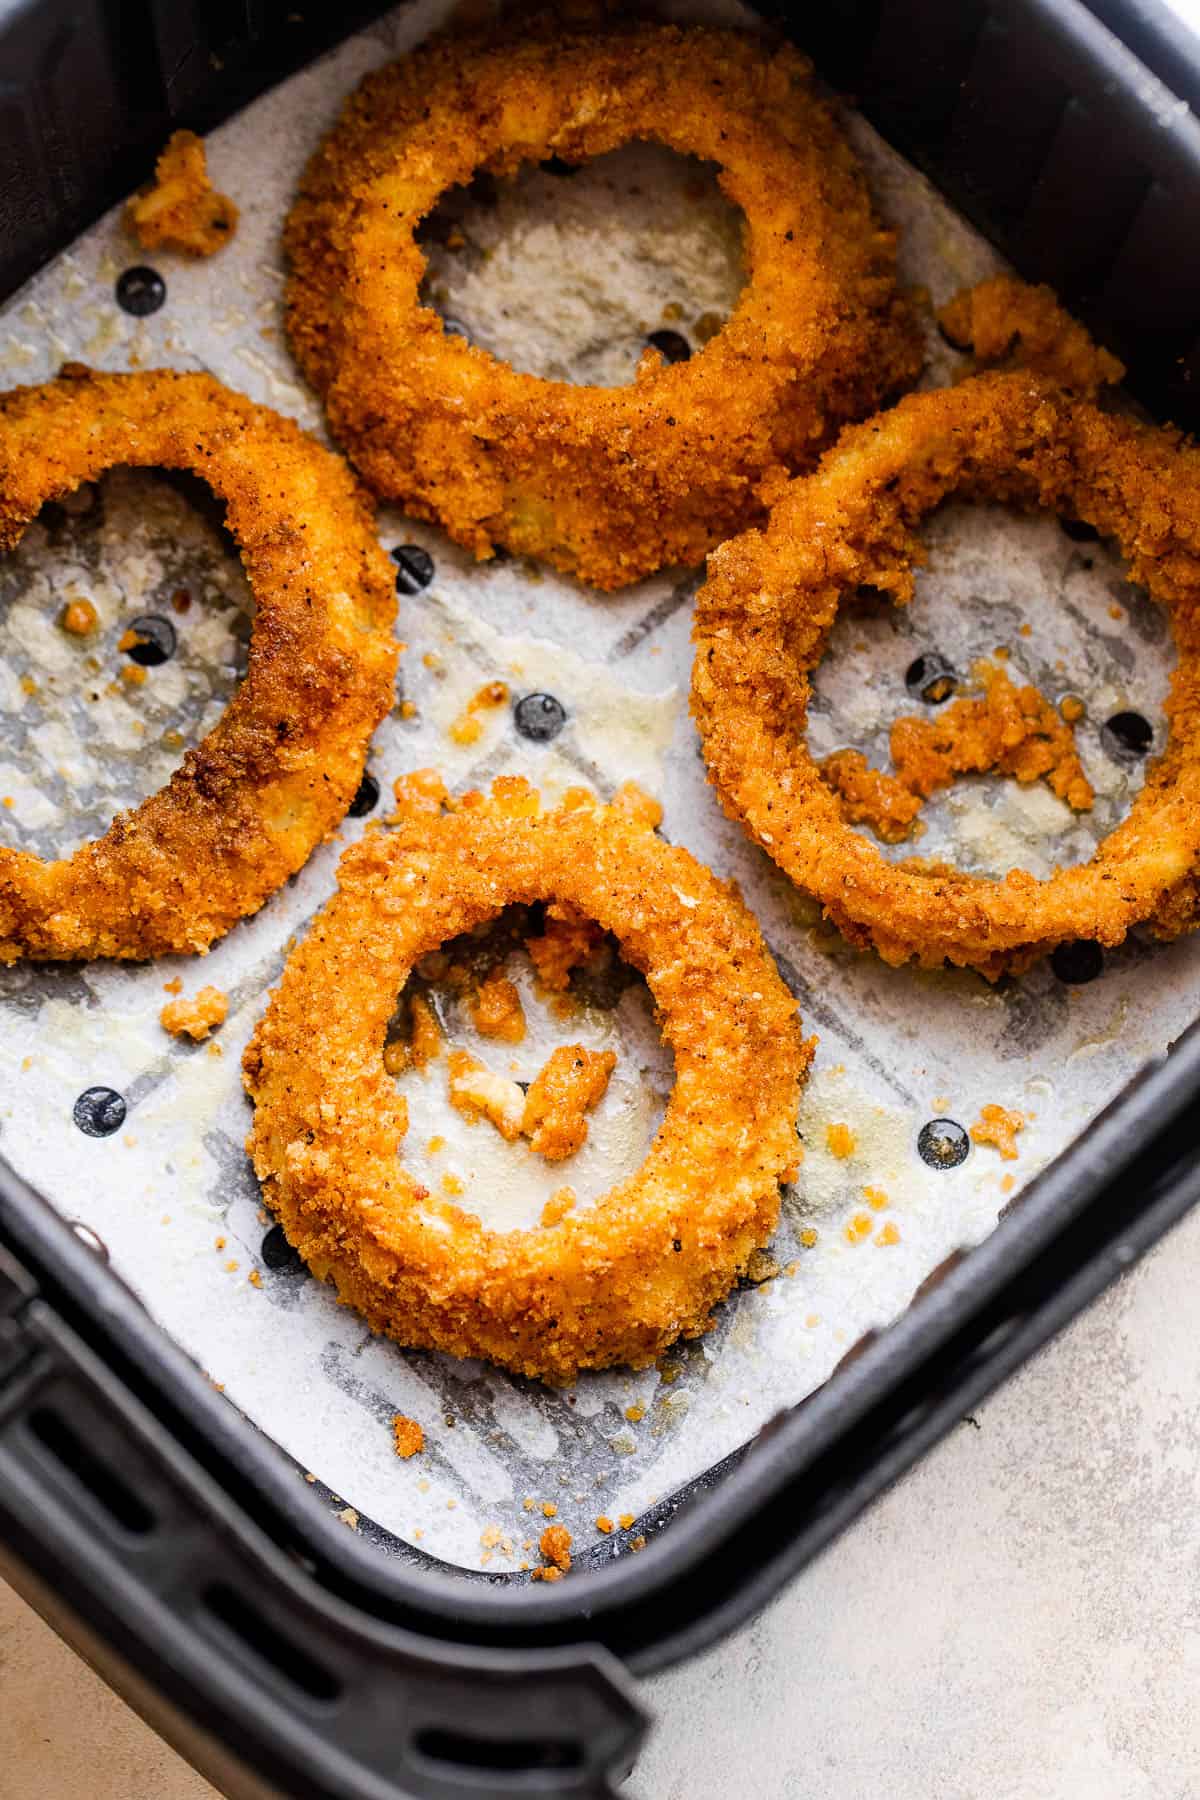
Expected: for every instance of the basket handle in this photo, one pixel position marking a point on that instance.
(255, 1670)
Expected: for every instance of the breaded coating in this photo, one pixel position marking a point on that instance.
(182, 211)
(1008, 730)
(620, 1280)
(764, 616)
(606, 483)
(1003, 319)
(571, 1082)
(275, 775)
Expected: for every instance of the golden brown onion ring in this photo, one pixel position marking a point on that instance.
(607, 483)
(764, 616)
(619, 1281)
(275, 775)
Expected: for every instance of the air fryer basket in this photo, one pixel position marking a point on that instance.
(157, 1528)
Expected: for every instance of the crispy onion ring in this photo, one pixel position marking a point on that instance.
(607, 483)
(275, 775)
(619, 1281)
(764, 616)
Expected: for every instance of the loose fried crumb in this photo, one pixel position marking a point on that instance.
(195, 1017)
(173, 987)
(840, 1141)
(555, 1546)
(1009, 730)
(546, 1574)
(860, 1227)
(79, 618)
(548, 1509)
(875, 1198)
(637, 1543)
(997, 1126)
(1072, 708)
(182, 211)
(478, 1092)
(635, 1413)
(409, 1436)
(571, 1083)
(568, 940)
(348, 1517)
(424, 1040)
(497, 1010)
(808, 1237)
(761, 1266)
(254, 1278)
(625, 1521)
(889, 1233)
(604, 1524)
(558, 1205)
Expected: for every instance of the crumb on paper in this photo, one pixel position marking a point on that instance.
(182, 210)
(875, 1198)
(889, 1234)
(424, 1042)
(840, 1140)
(761, 1266)
(220, 1243)
(232, 1266)
(808, 1237)
(555, 1546)
(478, 1092)
(453, 1185)
(195, 1017)
(548, 1509)
(546, 1573)
(420, 793)
(497, 1011)
(604, 1523)
(558, 1205)
(467, 728)
(635, 1413)
(1007, 1183)
(173, 987)
(998, 1126)
(1013, 731)
(572, 1081)
(409, 1436)
(626, 1520)
(859, 1227)
(569, 939)
(79, 618)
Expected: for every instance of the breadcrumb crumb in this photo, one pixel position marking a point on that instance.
(182, 211)
(409, 1436)
(997, 1126)
(195, 1017)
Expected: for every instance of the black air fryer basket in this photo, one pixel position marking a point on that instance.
(154, 1527)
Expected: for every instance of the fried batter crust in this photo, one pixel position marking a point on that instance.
(764, 616)
(276, 774)
(606, 483)
(620, 1280)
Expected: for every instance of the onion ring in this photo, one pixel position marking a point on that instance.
(764, 616)
(606, 483)
(619, 1281)
(275, 775)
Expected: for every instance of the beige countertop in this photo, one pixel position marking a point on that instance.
(1019, 1620)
